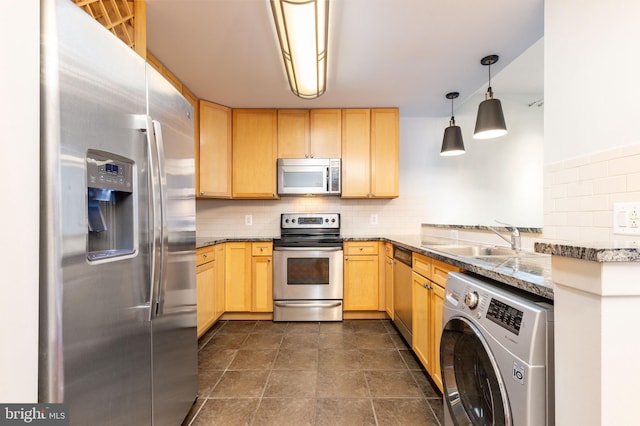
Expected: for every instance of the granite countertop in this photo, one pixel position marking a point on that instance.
(527, 271)
(625, 251)
(209, 241)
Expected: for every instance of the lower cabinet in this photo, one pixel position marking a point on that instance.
(209, 286)
(248, 277)
(388, 279)
(261, 277)
(428, 284)
(361, 276)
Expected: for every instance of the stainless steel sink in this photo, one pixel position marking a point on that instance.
(477, 251)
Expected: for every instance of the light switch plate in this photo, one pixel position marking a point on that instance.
(626, 218)
(374, 219)
(248, 219)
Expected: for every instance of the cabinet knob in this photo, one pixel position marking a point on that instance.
(346, 258)
(201, 192)
(261, 248)
(205, 255)
(268, 260)
(361, 248)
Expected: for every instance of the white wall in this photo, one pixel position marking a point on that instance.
(592, 77)
(592, 135)
(19, 151)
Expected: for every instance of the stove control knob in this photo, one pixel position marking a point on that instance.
(293, 221)
(286, 221)
(471, 299)
(333, 220)
(326, 220)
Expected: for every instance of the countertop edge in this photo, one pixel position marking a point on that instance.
(591, 252)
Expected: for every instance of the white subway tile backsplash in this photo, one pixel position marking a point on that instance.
(593, 171)
(610, 185)
(579, 194)
(625, 165)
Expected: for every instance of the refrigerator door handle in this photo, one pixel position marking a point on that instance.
(164, 232)
(155, 219)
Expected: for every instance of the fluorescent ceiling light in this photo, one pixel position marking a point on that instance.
(302, 31)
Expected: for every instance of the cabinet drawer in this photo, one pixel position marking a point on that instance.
(439, 271)
(205, 255)
(354, 248)
(422, 265)
(262, 248)
(388, 249)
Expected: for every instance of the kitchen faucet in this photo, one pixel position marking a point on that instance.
(515, 235)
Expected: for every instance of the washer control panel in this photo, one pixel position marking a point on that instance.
(505, 315)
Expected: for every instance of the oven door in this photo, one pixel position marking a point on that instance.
(307, 273)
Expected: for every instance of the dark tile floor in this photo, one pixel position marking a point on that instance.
(357, 372)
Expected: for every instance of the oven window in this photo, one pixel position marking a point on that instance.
(308, 271)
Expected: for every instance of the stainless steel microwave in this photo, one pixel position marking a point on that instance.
(301, 176)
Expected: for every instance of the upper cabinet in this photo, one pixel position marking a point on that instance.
(304, 133)
(254, 153)
(370, 153)
(214, 159)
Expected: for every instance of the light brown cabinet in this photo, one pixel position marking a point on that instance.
(237, 277)
(262, 277)
(254, 153)
(209, 286)
(370, 153)
(429, 279)
(248, 278)
(304, 133)
(361, 276)
(388, 279)
(214, 159)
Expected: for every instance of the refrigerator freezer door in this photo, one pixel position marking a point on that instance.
(95, 331)
(173, 326)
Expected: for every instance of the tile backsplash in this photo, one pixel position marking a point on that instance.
(579, 194)
(226, 218)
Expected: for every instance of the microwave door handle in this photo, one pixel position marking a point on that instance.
(327, 178)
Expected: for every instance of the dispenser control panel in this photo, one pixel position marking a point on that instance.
(109, 173)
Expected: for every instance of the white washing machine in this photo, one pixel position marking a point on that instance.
(496, 355)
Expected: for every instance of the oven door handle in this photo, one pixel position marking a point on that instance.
(308, 304)
(328, 249)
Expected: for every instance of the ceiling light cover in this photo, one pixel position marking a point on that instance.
(490, 120)
(452, 143)
(302, 27)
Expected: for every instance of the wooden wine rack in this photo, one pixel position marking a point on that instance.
(120, 17)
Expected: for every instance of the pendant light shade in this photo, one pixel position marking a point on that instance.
(452, 143)
(302, 27)
(490, 120)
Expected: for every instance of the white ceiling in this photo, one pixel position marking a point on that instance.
(404, 53)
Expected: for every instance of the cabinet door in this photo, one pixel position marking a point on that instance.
(293, 133)
(218, 286)
(385, 142)
(356, 154)
(388, 285)
(325, 133)
(254, 153)
(205, 276)
(262, 294)
(214, 162)
(237, 288)
(421, 319)
(437, 305)
(361, 283)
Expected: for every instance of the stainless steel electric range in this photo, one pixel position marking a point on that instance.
(307, 268)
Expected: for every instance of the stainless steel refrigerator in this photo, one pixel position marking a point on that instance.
(117, 297)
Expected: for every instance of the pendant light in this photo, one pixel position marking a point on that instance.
(490, 120)
(452, 143)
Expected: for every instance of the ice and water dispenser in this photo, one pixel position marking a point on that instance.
(110, 206)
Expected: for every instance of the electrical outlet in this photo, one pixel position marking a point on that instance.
(374, 219)
(626, 218)
(248, 219)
